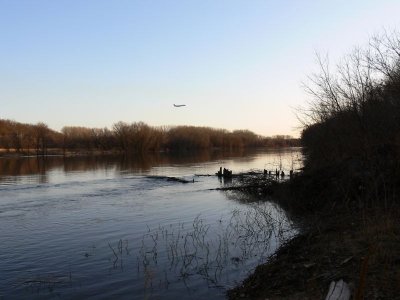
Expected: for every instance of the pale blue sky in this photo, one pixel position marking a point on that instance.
(236, 64)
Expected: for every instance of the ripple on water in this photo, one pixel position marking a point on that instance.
(101, 234)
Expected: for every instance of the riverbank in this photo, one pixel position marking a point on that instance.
(55, 152)
(347, 196)
(359, 245)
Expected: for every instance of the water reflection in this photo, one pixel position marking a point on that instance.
(14, 167)
(186, 253)
(98, 228)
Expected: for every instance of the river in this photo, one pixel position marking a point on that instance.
(114, 228)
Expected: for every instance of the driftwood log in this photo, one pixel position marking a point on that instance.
(338, 291)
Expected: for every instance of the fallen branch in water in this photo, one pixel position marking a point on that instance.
(259, 189)
(239, 175)
(168, 178)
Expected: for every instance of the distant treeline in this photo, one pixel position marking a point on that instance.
(129, 137)
(352, 124)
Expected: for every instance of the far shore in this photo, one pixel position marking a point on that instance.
(55, 152)
(97, 152)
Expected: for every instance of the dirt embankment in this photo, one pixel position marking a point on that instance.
(360, 246)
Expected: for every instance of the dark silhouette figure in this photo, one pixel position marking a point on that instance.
(282, 174)
(219, 173)
(227, 173)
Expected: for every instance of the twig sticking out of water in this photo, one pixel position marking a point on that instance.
(47, 281)
(115, 255)
(195, 250)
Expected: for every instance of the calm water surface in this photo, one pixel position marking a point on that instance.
(103, 227)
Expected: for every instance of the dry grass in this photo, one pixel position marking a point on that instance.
(361, 249)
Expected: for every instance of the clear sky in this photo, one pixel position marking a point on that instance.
(235, 64)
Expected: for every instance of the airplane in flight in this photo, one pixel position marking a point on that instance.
(179, 105)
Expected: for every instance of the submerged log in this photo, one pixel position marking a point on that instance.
(250, 188)
(168, 178)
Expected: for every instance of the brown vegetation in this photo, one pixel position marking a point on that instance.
(20, 137)
(136, 137)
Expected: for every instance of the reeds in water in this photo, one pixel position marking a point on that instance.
(211, 251)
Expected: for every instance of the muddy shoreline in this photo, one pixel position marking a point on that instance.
(359, 246)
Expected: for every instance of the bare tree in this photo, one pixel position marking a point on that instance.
(353, 80)
(354, 109)
(41, 135)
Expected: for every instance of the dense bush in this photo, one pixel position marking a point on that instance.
(353, 120)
